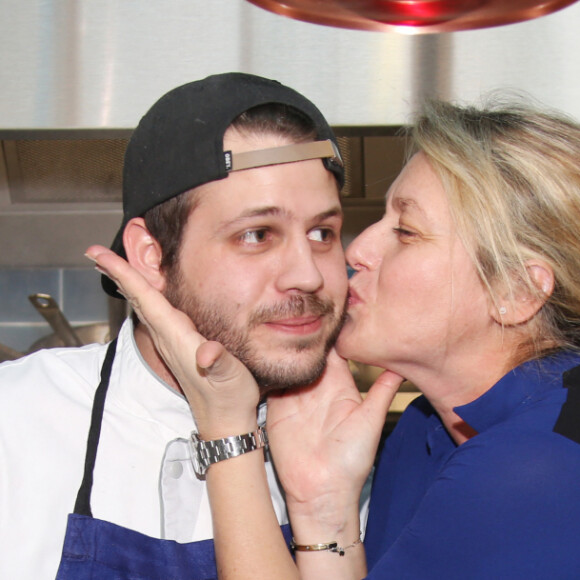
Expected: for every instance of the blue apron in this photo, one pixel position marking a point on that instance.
(98, 550)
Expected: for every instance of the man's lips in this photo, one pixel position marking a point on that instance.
(296, 325)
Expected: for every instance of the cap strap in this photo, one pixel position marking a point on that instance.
(285, 154)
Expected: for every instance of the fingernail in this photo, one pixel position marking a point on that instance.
(101, 271)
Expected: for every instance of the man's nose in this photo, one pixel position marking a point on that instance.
(298, 270)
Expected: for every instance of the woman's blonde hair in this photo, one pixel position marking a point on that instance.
(512, 176)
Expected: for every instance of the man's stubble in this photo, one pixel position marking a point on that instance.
(214, 322)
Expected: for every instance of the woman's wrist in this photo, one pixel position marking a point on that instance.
(342, 556)
(322, 522)
(332, 546)
(218, 426)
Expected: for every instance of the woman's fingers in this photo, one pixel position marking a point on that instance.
(379, 398)
(219, 388)
(332, 429)
(147, 302)
(209, 356)
(221, 367)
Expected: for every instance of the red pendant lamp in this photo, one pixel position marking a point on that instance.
(413, 16)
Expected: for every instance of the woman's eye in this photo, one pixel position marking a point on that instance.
(403, 233)
(254, 236)
(320, 235)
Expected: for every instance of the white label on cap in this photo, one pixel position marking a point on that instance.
(228, 159)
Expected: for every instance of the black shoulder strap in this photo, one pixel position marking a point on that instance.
(568, 423)
(83, 502)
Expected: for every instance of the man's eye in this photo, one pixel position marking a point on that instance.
(321, 235)
(254, 236)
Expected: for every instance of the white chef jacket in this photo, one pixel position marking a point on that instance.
(143, 477)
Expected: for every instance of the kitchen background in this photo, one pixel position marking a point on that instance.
(76, 75)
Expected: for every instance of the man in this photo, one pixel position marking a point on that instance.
(231, 209)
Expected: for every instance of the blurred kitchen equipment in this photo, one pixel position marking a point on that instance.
(7, 353)
(47, 307)
(65, 334)
(414, 16)
(87, 334)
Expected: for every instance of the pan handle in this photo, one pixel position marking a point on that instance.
(7, 353)
(49, 309)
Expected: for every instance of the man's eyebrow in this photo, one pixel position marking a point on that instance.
(278, 211)
(331, 213)
(269, 210)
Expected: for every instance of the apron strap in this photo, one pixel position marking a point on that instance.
(83, 502)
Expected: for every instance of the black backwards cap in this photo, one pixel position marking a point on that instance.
(178, 144)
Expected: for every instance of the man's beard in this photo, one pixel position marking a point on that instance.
(213, 322)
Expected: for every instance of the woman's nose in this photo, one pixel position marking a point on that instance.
(363, 253)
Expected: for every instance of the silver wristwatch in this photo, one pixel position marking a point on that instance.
(206, 453)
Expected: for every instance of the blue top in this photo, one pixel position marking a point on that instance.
(503, 505)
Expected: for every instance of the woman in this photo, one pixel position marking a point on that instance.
(469, 288)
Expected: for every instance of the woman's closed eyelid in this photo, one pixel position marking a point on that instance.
(405, 234)
(403, 230)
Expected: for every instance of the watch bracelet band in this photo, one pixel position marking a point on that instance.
(214, 451)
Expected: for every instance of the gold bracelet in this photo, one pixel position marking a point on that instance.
(330, 546)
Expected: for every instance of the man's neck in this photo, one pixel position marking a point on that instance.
(151, 356)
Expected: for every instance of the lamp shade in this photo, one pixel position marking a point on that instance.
(416, 16)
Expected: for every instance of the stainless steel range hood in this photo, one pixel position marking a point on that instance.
(78, 74)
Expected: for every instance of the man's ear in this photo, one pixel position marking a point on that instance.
(526, 303)
(144, 252)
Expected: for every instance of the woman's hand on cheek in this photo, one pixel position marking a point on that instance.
(221, 391)
(324, 438)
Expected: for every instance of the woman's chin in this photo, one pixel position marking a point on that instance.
(346, 347)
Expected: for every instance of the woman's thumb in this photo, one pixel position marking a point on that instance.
(381, 395)
(217, 363)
